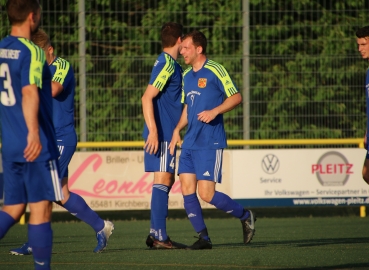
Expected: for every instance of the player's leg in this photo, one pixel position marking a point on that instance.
(366, 168)
(192, 205)
(163, 165)
(77, 206)
(9, 215)
(43, 187)
(15, 201)
(210, 173)
(15, 196)
(40, 234)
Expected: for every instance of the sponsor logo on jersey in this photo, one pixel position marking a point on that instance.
(156, 62)
(202, 82)
(191, 215)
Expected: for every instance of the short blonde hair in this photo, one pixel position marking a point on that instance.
(41, 39)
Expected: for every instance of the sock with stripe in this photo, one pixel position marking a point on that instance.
(159, 210)
(6, 222)
(77, 206)
(40, 238)
(225, 203)
(194, 213)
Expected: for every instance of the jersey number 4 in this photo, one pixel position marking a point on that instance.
(7, 93)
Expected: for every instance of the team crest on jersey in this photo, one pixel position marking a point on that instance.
(202, 82)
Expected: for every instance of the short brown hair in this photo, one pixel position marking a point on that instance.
(41, 39)
(363, 32)
(198, 39)
(18, 10)
(170, 32)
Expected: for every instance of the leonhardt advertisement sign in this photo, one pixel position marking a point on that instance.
(299, 177)
(117, 181)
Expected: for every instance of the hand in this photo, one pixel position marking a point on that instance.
(206, 116)
(152, 144)
(33, 149)
(176, 139)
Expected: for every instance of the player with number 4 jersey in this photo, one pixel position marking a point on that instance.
(162, 108)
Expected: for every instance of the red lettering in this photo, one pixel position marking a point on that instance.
(94, 157)
(329, 168)
(332, 168)
(315, 167)
(111, 186)
(99, 186)
(348, 169)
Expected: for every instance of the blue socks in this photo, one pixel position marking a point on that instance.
(6, 221)
(225, 203)
(194, 213)
(77, 206)
(159, 211)
(40, 238)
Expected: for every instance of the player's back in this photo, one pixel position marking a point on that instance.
(22, 63)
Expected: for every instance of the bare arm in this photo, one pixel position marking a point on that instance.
(176, 138)
(152, 143)
(227, 105)
(56, 88)
(30, 107)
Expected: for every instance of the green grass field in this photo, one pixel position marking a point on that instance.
(279, 243)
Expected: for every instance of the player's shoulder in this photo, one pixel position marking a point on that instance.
(164, 59)
(187, 70)
(26, 47)
(216, 68)
(61, 62)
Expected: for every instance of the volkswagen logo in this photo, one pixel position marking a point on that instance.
(270, 164)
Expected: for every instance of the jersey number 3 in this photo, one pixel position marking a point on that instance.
(7, 93)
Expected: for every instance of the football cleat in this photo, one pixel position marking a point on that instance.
(150, 241)
(103, 236)
(23, 250)
(201, 244)
(248, 227)
(168, 244)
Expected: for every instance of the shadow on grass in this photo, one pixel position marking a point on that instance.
(299, 243)
(343, 266)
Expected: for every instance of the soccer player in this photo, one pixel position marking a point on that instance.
(162, 108)
(63, 91)
(29, 149)
(363, 46)
(208, 93)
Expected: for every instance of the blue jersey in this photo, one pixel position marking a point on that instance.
(63, 104)
(367, 103)
(166, 76)
(204, 90)
(23, 63)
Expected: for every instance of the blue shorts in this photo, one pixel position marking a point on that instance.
(66, 154)
(162, 161)
(28, 182)
(206, 164)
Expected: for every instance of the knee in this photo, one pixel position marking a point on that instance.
(206, 196)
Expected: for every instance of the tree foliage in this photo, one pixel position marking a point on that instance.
(306, 77)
